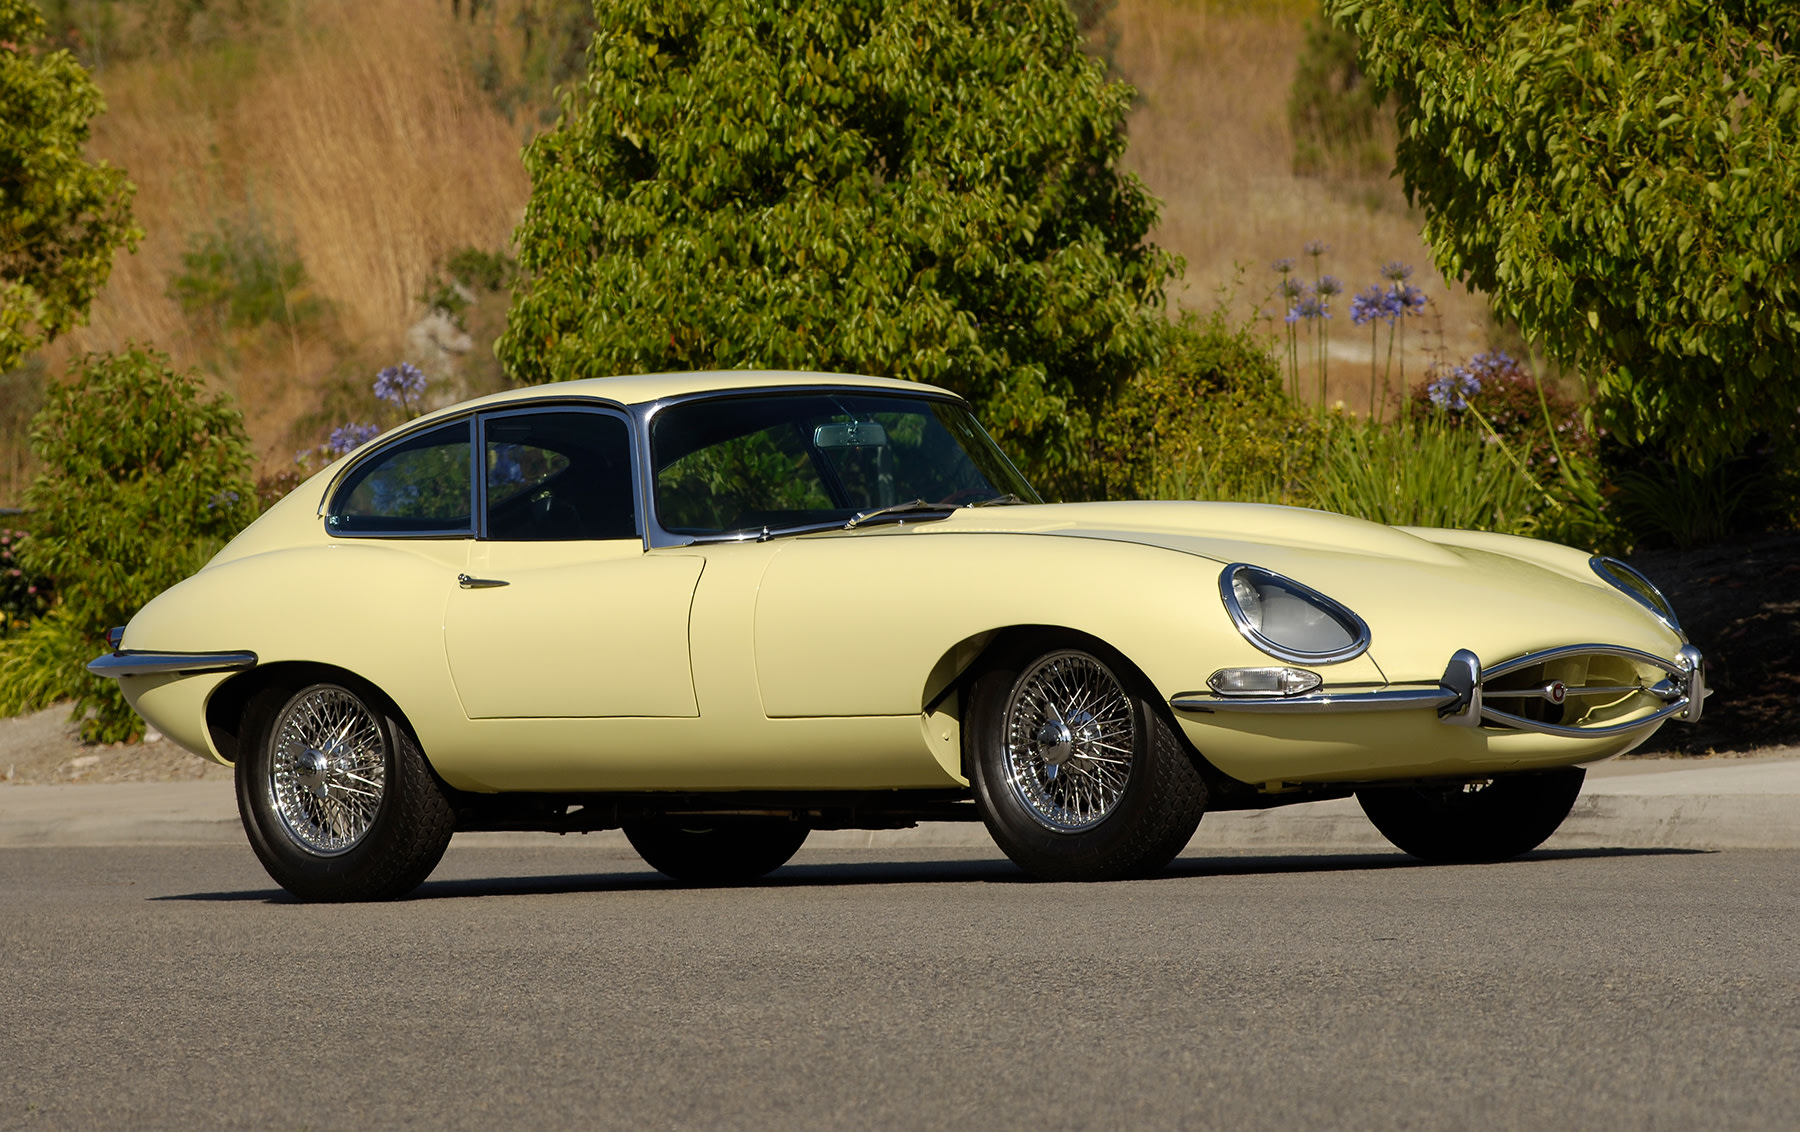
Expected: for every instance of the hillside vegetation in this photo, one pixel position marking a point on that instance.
(307, 169)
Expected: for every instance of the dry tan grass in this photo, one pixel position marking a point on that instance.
(356, 131)
(1210, 139)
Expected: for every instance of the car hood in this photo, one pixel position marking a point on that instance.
(1424, 593)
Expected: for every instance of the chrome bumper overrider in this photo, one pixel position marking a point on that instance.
(1461, 694)
(136, 663)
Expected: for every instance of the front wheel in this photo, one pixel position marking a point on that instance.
(722, 849)
(1077, 775)
(337, 799)
(1478, 821)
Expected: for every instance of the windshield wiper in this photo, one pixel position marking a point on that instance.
(1005, 499)
(901, 511)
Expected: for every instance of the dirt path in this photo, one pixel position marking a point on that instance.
(45, 748)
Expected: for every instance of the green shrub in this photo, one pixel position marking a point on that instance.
(142, 476)
(61, 217)
(239, 275)
(469, 275)
(1617, 178)
(1210, 421)
(923, 189)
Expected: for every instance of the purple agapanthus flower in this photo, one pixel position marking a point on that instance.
(1290, 290)
(400, 385)
(1407, 298)
(1328, 286)
(349, 437)
(1453, 390)
(1371, 303)
(1284, 265)
(1316, 248)
(1308, 308)
(1397, 271)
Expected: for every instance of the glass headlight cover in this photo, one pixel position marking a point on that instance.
(1288, 620)
(1636, 587)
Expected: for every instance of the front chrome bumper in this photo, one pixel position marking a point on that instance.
(1461, 696)
(133, 662)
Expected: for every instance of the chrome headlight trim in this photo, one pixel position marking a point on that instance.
(1336, 609)
(1620, 576)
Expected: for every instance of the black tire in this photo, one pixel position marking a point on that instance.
(308, 810)
(716, 850)
(1109, 821)
(1501, 819)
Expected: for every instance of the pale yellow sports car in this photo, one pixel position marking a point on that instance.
(721, 610)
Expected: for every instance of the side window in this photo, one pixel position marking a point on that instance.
(419, 487)
(556, 475)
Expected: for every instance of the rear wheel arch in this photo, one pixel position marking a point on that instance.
(266, 687)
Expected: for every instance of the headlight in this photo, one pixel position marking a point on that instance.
(1638, 588)
(1288, 620)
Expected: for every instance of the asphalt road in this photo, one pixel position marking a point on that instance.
(176, 987)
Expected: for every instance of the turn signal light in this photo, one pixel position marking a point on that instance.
(1263, 681)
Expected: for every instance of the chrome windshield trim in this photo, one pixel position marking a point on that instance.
(644, 414)
(134, 662)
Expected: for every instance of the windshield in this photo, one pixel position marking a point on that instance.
(730, 465)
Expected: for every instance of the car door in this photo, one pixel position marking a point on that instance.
(563, 614)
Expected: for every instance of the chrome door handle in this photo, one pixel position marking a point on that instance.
(469, 583)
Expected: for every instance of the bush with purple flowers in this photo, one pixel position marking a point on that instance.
(1538, 422)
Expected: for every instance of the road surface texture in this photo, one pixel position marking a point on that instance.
(563, 985)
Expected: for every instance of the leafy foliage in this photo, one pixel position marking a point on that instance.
(1620, 176)
(23, 595)
(918, 188)
(143, 477)
(61, 216)
(1210, 421)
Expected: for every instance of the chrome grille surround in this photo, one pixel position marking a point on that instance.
(1583, 691)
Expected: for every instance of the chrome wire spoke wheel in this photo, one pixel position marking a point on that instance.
(327, 770)
(1070, 737)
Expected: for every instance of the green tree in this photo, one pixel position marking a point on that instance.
(922, 189)
(1621, 177)
(61, 216)
(143, 477)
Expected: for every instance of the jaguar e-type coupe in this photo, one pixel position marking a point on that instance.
(721, 610)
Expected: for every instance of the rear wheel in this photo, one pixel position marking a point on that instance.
(1077, 774)
(337, 799)
(726, 849)
(1483, 821)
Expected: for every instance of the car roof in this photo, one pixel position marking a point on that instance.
(644, 388)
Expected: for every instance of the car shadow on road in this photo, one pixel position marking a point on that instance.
(986, 870)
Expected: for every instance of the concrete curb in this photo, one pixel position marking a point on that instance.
(1749, 803)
